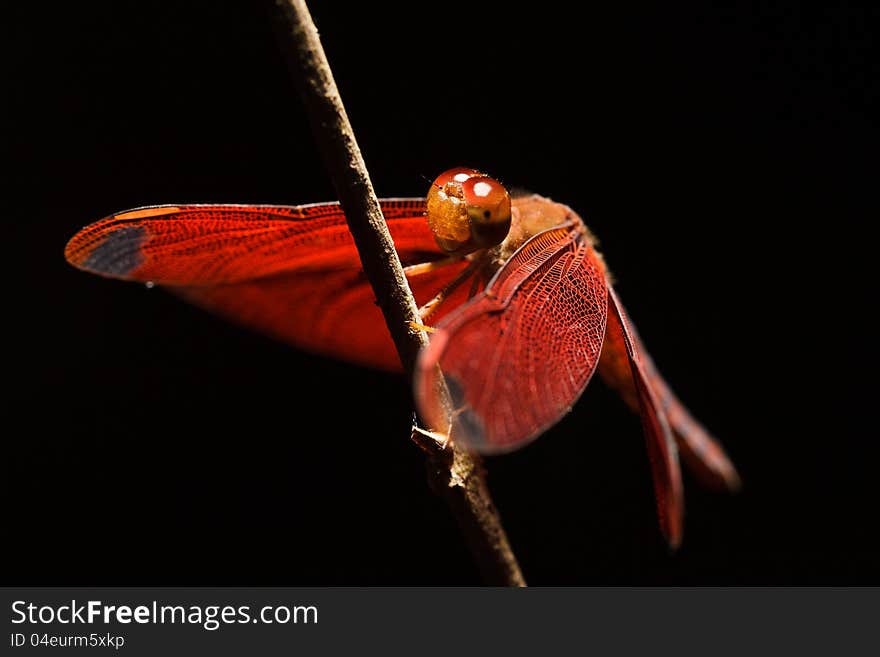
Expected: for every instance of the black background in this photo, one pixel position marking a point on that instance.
(724, 157)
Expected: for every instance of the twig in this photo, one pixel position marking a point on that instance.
(454, 473)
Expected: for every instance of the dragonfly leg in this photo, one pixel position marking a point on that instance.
(441, 439)
(416, 326)
(432, 305)
(425, 267)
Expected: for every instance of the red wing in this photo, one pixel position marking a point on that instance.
(517, 357)
(222, 244)
(327, 312)
(702, 453)
(291, 272)
(621, 346)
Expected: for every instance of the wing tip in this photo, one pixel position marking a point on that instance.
(432, 386)
(113, 251)
(670, 504)
(112, 247)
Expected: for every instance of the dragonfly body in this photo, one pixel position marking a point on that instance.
(520, 327)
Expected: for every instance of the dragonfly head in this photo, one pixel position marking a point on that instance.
(467, 210)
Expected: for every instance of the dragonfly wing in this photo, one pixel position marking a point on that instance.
(333, 313)
(517, 357)
(220, 244)
(620, 342)
(291, 272)
(702, 454)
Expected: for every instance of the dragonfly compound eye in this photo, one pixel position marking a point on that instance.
(488, 208)
(467, 210)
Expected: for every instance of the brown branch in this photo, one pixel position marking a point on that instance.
(455, 474)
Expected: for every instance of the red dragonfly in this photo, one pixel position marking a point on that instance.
(517, 298)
